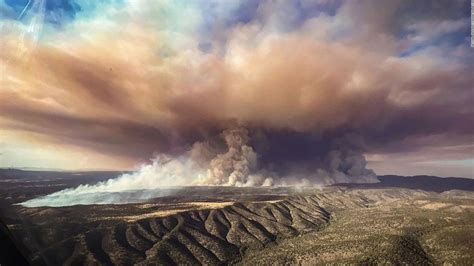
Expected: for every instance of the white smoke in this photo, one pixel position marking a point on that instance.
(157, 179)
(201, 165)
(205, 165)
(237, 166)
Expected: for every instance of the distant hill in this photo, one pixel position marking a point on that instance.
(423, 182)
(12, 173)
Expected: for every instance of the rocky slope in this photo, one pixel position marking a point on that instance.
(212, 236)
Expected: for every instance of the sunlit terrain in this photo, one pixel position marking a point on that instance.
(414, 220)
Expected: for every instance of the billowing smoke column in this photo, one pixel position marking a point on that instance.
(228, 160)
(278, 98)
(237, 166)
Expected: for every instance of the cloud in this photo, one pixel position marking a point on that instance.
(133, 79)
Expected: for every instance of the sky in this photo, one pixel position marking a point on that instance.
(112, 84)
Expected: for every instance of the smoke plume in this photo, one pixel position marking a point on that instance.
(248, 93)
(227, 160)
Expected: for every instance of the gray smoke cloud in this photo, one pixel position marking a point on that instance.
(227, 160)
(395, 73)
(236, 166)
